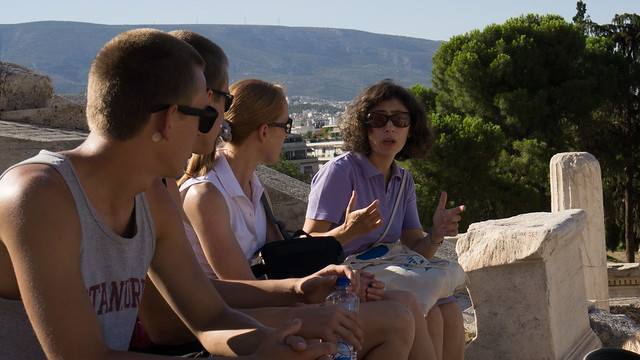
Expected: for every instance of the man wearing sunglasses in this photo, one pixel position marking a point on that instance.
(228, 98)
(207, 116)
(80, 229)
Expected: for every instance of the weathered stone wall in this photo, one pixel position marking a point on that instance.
(289, 197)
(19, 141)
(23, 88)
(66, 112)
(27, 96)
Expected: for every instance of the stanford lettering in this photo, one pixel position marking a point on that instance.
(116, 295)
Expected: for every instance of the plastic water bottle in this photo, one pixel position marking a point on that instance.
(345, 298)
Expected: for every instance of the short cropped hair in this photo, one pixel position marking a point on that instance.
(355, 130)
(134, 72)
(215, 60)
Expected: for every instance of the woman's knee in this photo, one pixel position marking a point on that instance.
(387, 322)
(403, 319)
(407, 299)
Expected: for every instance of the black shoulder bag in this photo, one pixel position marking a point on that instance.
(298, 255)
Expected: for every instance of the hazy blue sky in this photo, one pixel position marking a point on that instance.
(427, 19)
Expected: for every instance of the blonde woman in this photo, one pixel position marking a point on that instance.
(225, 220)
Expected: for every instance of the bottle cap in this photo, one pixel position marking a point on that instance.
(343, 281)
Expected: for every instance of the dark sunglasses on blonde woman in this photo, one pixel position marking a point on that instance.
(286, 126)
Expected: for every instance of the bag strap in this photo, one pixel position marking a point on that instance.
(393, 212)
(402, 260)
(280, 224)
(401, 255)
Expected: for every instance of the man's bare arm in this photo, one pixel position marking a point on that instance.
(177, 275)
(41, 231)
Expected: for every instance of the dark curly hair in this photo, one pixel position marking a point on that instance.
(355, 129)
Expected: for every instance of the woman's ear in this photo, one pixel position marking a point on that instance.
(262, 132)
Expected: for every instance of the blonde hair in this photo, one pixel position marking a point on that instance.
(255, 102)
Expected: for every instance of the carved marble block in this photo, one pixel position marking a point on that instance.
(527, 287)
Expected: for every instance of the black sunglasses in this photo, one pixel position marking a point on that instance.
(228, 98)
(377, 120)
(286, 126)
(208, 115)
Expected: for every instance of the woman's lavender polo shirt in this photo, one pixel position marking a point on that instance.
(331, 189)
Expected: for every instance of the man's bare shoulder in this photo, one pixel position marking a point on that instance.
(28, 181)
(34, 203)
(34, 195)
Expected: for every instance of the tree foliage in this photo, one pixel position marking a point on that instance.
(620, 124)
(290, 168)
(506, 99)
(453, 168)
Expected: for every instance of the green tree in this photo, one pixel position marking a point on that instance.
(620, 119)
(581, 18)
(536, 85)
(461, 163)
(426, 96)
(290, 168)
(308, 135)
(527, 77)
(524, 75)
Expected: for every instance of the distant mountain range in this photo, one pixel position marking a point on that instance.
(332, 64)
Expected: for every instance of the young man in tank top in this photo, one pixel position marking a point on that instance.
(78, 232)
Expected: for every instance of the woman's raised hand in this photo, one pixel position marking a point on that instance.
(445, 221)
(362, 221)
